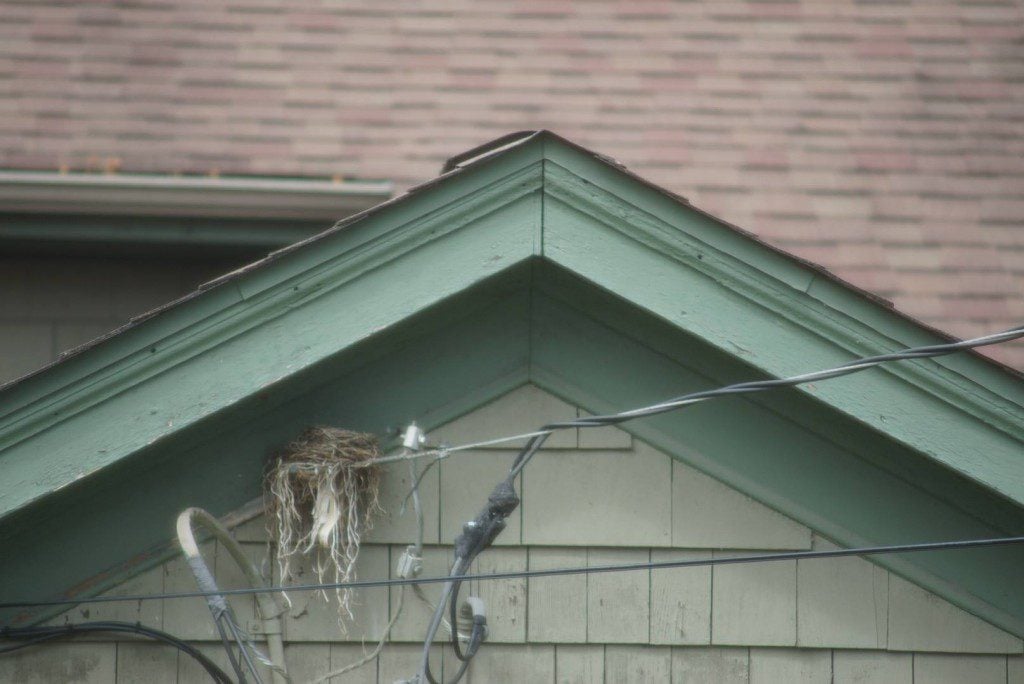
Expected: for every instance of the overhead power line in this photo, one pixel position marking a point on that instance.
(537, 437)
(480, 532)
(553, 572)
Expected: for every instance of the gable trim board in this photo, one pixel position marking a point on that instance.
(542, 213)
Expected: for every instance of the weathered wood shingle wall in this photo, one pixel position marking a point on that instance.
(594, 498)
(49, 305)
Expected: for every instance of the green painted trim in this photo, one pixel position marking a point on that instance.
(760, 312)
(262, 351)
(536, 323)
(866, 315)
(266, 326)
(435, 366)
(792, 452)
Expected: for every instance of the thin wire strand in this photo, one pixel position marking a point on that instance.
(517, 574)
(372, 655)
(537, 437)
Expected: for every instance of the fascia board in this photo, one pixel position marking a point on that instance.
(253, 329)
(745, 299)
(776, 449)
(432, 368)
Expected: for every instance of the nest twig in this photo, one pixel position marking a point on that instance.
(324, 490)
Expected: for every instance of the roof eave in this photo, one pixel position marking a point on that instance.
(226, 197)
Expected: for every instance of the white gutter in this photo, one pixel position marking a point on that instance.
(201, 196)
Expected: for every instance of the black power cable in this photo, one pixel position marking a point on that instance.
(30, 636)
(478, 534)
(931, 351)
(554, 572)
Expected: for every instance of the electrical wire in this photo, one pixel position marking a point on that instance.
(552, 572)
(223, 615)
(930, 351)
(225, 641)
(536, 439)
(535, 443)
(29, 636)
(241, 639)
(372, 655)
(481, 531)
(458, 566)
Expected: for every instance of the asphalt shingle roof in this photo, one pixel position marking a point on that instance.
(881, 139)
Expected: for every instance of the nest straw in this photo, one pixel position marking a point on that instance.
(324, 490)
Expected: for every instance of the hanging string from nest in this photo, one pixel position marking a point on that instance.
(324, 490)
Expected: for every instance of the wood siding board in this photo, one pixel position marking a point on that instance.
(921, 621)
(576, 664)
(402, 661)
(680, 600)
(720, 665)
(624, 664)
(628, 616)
(507, 663)
(149, 613)
(343, 655)
(525, 409)
(614, 498)
(790, 666)
(868, 667)
(618, 604)
(754, 604)
(709, 514)
(557, 605)
(841, 603)
(149, 663)
(306, 662)
(85, 663)
(1015, 670)
(191, 672)
(950, 669)
(395, 527)
(314, 618)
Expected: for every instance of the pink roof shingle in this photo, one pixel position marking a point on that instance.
(881, 139)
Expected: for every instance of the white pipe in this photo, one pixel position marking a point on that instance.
(269, 609)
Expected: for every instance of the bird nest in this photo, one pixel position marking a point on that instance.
(324, 490)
